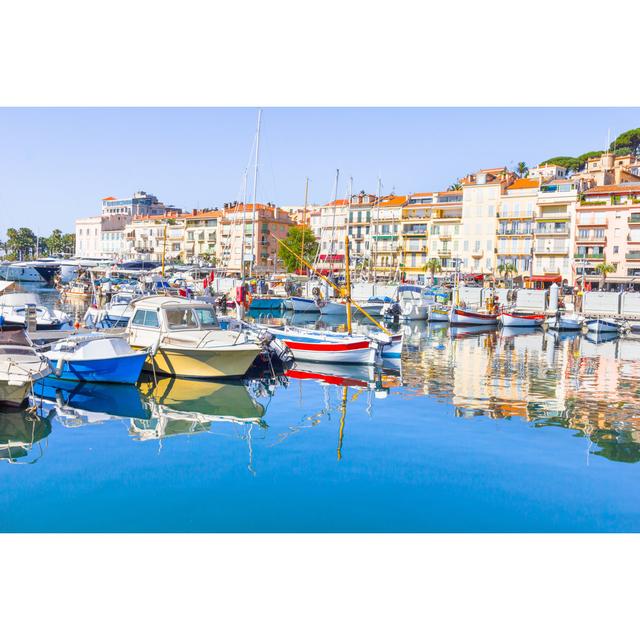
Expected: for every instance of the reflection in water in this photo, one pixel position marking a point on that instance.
(22, 433)
(547, 379)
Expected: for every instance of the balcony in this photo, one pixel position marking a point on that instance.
(634, 218)
(601, 242)
(633, 255)
(550, 231)
(514, 232)
(445, 237)
(592, 256)
(476, 254)
(444, 253)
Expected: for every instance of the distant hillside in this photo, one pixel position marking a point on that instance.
(626, 143)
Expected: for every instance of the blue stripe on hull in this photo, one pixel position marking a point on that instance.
(125, 369)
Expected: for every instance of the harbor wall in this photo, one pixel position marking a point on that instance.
(600, 302)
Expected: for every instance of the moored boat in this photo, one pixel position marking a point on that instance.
(459, 316)
(438, 313)
(13, 311)
(603, 325)
(566, 322)
(299, 304)
(20, 366)
(96, 358)
(509, 319)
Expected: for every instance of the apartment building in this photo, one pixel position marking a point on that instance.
(329, 226)
(514, 237)
(608, 230)
(200, 241)
(481, 198)
(150, 237)
(244, 234)
(360, 214)
(386, 249)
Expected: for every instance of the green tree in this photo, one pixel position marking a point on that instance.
(69, 243)
(627, 142)
(20, 242)
(55, 242)
(507, 270)
(603, 269)
(433, 266)
(456, 186)
(295, 239)
(522, 170)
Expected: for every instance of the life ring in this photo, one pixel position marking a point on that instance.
(247, 300)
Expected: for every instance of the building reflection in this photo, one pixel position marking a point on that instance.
(546, 379)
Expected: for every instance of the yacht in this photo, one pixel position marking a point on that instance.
(20, 366)
(13, 308)
(185, 339)
(20, 272)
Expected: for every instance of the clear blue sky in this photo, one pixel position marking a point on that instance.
(56, 164)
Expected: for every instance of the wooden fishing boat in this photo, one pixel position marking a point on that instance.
(458, 316)
(603, 325)
(509, 319)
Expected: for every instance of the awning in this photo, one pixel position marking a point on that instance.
(548, 278)
(331, 257)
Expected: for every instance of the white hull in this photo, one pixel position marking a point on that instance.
(301, 305)
(463, 317)
(603, 326)
(330, 308)
(510, 320)
(438, 315)
(414, 310)
(566, 323)
(19, 273)
(365, 355)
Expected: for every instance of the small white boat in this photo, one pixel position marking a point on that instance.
(20, 366)
(459, 316)
(521, 320)
(566, 322)
(329, 307)
(603, 325)
(412, 303)
(299, 304)
(20, 272)
(13, 308)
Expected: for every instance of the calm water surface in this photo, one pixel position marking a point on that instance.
(477, 431)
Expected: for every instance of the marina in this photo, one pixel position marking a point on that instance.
(489, 427)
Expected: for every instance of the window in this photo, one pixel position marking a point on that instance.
(181, 319)
(616, 249)
(466, 245)
(206, 317)
(145, 318)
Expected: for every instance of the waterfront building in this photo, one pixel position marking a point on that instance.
(516, 213)
(89, 237)
(329, 226)
(608, 229)
(481, 197)
(546, 172)
(554, 232)
(258, 231)
(386, 248)
(608, 169)
(150, 237)
(359, 224)
(200, 241)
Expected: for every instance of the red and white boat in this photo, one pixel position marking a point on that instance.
(357, 350)
(521, 319)
(458, 316)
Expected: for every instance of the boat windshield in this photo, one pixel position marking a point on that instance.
(181, 319)
(206, 317)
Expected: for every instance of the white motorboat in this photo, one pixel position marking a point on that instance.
(566, 322)
(20, 272)
(328, 307)
(603, 325)
(509, 319)
(185, 339)
(20, 366)
(412, 303)
(116, 313)
(13, 310)
(438, 313)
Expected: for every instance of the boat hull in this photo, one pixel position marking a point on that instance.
(301, 305)
(330, 308)
(14, 395)
(438, 315)
(602, 326)
(356, 352)
(463, 317)
(121, 369)
(201, 363)
(513, 320)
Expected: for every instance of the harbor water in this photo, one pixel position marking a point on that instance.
(476, 430)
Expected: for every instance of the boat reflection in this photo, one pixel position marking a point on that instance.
(22, 433)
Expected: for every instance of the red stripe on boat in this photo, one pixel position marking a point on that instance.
(534, 317)
(470, 314)
(337, 346)
(339, 380)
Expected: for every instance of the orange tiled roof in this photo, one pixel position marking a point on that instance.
(524, 183)
(629, 187)
(421, 193)
(109, 198)
(337, 203)
(392, 201)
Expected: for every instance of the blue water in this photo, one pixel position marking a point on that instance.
(476, 433)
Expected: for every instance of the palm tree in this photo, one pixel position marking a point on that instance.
(522, 170)
(433, 265)
(507, 269)
(604, 268)
(456, 186)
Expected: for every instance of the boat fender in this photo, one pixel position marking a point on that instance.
(153, 349)
(59, 366)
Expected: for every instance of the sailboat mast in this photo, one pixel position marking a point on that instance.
(333, 221)
(374, 242)
(304, 217)
(255, 192)
(243, 218)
